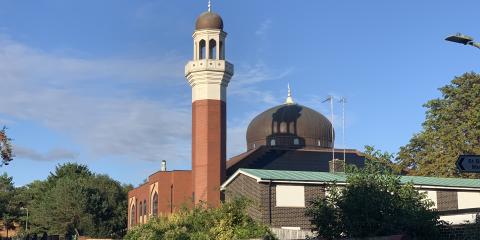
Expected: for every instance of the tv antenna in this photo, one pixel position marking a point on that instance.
(343, 100)
(330, 99)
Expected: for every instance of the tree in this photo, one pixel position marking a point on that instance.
(9, 208)
(372, 204)
(229, 221)
(451, 128)
(75, 200)
(379, 161)
(5, 148)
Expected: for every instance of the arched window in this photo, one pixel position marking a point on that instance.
(155, 204)
(140, 214)
(202, 50)
(222, 51)
(132, 216)
(145, 207)
(212, 45)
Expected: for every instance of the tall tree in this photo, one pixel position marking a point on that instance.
(451, 128)
(5, 148)
(75, 200)
(9, 207)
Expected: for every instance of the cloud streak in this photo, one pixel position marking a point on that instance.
(56, 91)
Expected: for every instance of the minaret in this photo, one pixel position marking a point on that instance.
(208, 74)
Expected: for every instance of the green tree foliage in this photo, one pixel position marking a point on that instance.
(373, 204)
(451, 128)
(379, 161)
(9, 207)
(6, 153)
(75, 200)
(229, 221)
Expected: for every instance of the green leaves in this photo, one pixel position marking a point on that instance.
(229, 221)
(73, 199)
(373, 203)
(451, 128)
(6, 153)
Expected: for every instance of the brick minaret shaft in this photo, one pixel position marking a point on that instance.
(208, 74)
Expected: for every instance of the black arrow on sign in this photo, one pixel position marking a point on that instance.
(459, 163)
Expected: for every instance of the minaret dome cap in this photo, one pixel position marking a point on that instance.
(209, 20)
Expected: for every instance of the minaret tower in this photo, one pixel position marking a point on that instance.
(208, 74)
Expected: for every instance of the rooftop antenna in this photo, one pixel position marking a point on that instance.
(343, 100)
(330, 99)
(209, 6)
(289, 99)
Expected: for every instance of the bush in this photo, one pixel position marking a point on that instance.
(229, 221)
(374, 204)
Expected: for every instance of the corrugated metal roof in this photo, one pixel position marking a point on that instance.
(306, 176)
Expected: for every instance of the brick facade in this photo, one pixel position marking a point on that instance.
(208, 149)
(174, 189)
(447, 200)
(263, 196)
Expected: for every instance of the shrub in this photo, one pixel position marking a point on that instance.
(229, 221)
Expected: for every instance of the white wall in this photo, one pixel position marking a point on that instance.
(468, 200)
(290, 196)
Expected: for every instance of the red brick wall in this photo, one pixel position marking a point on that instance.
(208, 149)
(174, 191)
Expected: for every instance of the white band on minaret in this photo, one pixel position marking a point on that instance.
(209, 6)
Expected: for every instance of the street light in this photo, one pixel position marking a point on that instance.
(463, 39)
(26, 222)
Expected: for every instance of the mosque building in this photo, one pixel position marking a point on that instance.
(290, 156)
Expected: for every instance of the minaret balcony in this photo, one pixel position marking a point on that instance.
(209, 65)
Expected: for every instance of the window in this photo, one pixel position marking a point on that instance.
(212, 46)
(290, 196)
(296, 141)
(155, 204)
(132, 216)
(222, 52)
(202, 50)
(272, 142)
(141, 210)
(145, 207)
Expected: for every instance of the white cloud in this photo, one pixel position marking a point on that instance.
(247, 79)
(54, 154)
(263, 28)
(56, 91)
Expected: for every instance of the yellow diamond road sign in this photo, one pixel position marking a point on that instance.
(469, 163)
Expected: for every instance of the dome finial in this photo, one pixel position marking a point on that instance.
(209, 6)
(289, 99)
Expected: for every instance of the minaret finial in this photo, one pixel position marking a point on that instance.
(289, 96)
(209, 6)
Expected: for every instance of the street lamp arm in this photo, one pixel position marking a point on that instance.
(475, 44)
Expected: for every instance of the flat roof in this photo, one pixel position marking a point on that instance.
(263, 175)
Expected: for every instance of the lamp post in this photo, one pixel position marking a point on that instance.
(26, 222)
(463, 39)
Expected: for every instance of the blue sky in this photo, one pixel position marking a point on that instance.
(101, 82)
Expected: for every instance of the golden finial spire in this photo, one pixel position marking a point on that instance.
(209, 6)
(289, 96)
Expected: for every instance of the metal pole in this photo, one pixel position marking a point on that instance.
(26, 222)
(333, 140)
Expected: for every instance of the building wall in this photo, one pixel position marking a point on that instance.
(248, 188)
(264, 209)
(451, 203)
(174, 189)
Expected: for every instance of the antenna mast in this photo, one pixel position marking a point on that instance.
(343, 100)
(330, 98)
